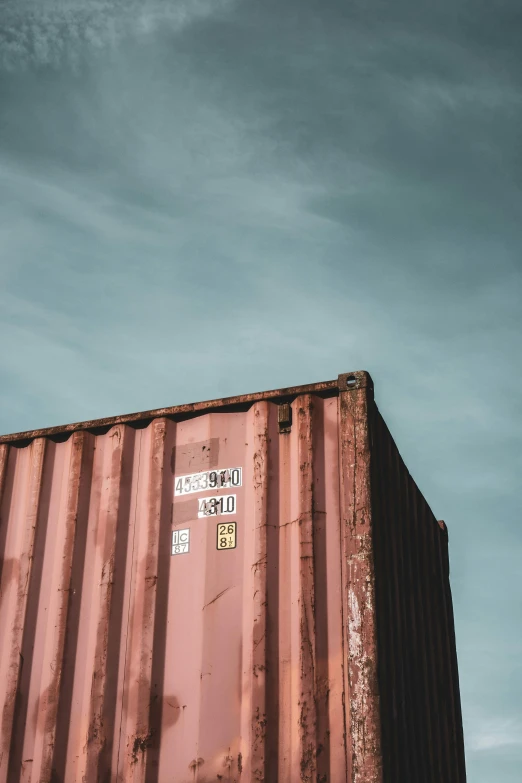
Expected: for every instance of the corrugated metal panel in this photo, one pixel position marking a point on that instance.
(276, 660)
(418, 676)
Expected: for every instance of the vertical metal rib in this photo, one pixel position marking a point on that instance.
(4, 456)
(288, 762)
(158, 702)
(307, 641)
(136, 735)
(272, 647)
(254, 674)
(326, 590)
(62, 539)
(97, 663)
(19, 550)
(77, 515)
(5, 502)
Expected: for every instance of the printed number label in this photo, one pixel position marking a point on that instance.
(210, 479)
(215, 506)
(226, 535)
(180, 541)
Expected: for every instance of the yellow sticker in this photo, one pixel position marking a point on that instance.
(226, 535)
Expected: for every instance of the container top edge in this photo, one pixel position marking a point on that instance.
(179, 410)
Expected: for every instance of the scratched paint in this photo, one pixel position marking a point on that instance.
(282, 658)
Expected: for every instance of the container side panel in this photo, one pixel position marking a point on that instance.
(54, 544)
(454, 735)
(185, 587)
(172, 601)
(401, 731)
(207, 642)
(418, 679)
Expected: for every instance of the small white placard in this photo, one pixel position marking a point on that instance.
(217, 505)
(180, 541)
(225, 478)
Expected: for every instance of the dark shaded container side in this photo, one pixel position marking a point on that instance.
(421, 721)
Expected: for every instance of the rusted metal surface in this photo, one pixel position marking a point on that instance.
(363, 714)
(324, 388)
(319, 648)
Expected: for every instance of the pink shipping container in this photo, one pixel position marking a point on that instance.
(243, 590)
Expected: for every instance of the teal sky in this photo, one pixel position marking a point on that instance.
(211, 197)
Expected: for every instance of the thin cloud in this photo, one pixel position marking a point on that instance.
(58, 32)
(496, 733)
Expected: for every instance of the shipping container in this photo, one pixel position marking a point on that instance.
(243, 590)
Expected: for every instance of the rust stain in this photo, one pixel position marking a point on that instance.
(171, 711)
(195, 457)
(10, 572)
(139, 746)
(365, 732)
(177, 410)
(184, 511)
(100, 727)
(308, 694)
(217, 597)
(256, 753)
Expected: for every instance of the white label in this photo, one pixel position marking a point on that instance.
(215, 506)
(209, 479)
(180, 541)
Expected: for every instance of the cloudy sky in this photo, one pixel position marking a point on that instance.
(210, 197)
